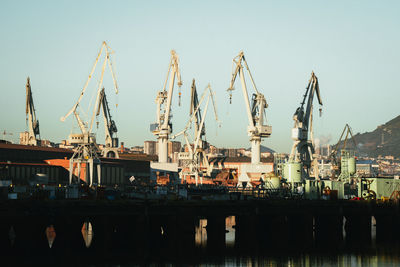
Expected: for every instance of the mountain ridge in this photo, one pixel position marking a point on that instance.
(383, 141)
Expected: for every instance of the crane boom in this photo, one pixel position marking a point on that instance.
(104, 46)
(86, 127)
(194, 104)
(33, 122)
(86, 84)
(333, 154)
(257, 127)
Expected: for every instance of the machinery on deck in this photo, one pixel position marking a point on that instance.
(257, 127)
(302, 164)
(195, 161)
(87, 153)
(163, 127)
(111, 141)
(32, 136)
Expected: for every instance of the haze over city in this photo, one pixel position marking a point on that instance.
(351, 46)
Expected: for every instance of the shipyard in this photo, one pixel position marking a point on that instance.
(218, 149)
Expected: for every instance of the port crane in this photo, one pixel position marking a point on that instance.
(196, 157)
(257, 127)
(163, 127)
(347, 157)
(337, 148)
(110, 127)
(33, 123)
(303, 147)
(88, 151)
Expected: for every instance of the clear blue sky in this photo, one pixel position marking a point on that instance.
(353, 47)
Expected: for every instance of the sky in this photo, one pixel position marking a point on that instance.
(352, 46)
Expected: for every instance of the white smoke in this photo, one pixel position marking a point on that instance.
(324, 139)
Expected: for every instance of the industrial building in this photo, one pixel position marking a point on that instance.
(22, 164)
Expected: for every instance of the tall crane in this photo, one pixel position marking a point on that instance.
(110, 127)
(196, 157)
(257, 127)
(163, 127)
(33, 122)
(303, 148)
(87, 151)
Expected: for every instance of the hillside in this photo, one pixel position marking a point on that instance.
(264, 149)
(384, 140)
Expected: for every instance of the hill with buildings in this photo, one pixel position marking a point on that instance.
(384, 140)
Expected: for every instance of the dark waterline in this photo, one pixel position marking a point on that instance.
(89, 246)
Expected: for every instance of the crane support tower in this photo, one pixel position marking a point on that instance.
(33, 134)
(163, 127)
(111, 141)
(86, 155)
(195, 161)
(257, 127)
(301, 160)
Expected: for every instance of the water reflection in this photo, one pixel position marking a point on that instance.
(87, 233)
(325, 253)
(50, 234)
(201, 234)
(230, 223)
(308, 260)
(373, 231)
(12, 235)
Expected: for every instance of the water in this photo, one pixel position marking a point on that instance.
(92, 247)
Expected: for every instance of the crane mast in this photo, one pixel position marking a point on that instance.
(33, 122)
(303, 148)
(257, 127)
(163, 127)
